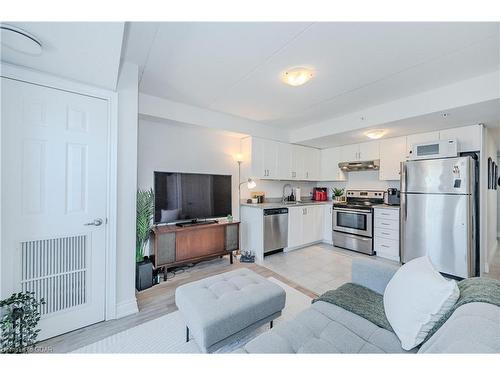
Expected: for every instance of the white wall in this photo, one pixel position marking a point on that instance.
(491, 200)
(126, 189)
(363, 180)
(173, 147)
(498, 204)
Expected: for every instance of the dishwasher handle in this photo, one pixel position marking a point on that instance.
(275, 211)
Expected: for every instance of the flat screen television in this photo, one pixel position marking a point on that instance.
(191, 196)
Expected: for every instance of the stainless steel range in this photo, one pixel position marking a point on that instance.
(353, 220)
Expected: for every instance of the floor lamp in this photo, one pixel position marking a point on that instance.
(250, 185)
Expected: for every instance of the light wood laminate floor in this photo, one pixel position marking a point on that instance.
(153, 303)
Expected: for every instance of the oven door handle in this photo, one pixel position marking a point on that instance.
(351, 210)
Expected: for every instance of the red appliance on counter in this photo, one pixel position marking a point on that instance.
(320, 194)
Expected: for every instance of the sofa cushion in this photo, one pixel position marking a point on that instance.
(416, 298)
(326, 328)
(473, 328)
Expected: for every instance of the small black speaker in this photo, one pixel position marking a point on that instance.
(143, 275)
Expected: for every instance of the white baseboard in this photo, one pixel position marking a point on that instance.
(126, 308)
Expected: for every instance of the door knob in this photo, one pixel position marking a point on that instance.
(96, 222)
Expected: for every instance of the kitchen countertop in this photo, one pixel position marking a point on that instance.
(282, 205)
(267, 205)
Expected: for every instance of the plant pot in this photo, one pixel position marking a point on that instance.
(143, 274)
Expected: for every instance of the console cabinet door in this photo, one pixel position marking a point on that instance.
(232, 237)
(199, 242)
(165, 248)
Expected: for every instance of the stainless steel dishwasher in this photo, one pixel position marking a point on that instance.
(275, 229)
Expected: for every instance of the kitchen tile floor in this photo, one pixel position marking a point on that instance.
(318, 267)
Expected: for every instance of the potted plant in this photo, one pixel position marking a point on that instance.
(338, 194)
(145, 210)
(19, 317)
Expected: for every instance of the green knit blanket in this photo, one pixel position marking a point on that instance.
(370, 305)
(360, 301)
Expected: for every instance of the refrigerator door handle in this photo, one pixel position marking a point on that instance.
(404, 176)
(402, 220)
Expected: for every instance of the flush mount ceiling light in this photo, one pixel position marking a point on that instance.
(297, 76)
(375, 134)
(19, 40)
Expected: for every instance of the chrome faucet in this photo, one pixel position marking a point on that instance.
(283, 199)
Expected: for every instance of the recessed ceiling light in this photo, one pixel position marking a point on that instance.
(375, 134)
(445, 114)
(19, 40)
(297, 76)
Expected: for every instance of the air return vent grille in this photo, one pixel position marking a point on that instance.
(55, 270)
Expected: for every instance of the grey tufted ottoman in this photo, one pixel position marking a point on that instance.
(225, 307)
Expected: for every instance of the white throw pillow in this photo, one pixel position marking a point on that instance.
(415, 298)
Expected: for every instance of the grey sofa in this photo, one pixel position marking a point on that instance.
(326, 328)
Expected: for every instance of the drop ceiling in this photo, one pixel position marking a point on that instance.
(488, 112)
(235, 68)
(87, 52)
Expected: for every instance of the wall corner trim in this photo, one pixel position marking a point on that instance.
(125, 308)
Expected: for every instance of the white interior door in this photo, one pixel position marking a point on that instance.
(54, 182)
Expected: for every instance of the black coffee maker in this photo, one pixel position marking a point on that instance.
(392, 197)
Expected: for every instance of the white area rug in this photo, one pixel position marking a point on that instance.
(167, 333)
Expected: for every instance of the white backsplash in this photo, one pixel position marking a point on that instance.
(274, 189)
(366, 180)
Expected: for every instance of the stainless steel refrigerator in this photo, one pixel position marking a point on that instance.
(439, 214)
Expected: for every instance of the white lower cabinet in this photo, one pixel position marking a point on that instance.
(295, 223)
(328, 224)
(305, 225)
(386, 233)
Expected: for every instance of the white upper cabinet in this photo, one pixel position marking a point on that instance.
(349, 153)
(284, 166)
(297, 165)
(260, 158)
(266, 159)
(270, 159)
(311, 163)
(329, 165)
(468, 137)
(392, 153)
(420, 138)
(369, 151)
(360, 152)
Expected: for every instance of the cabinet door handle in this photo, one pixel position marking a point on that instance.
(385, 246)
